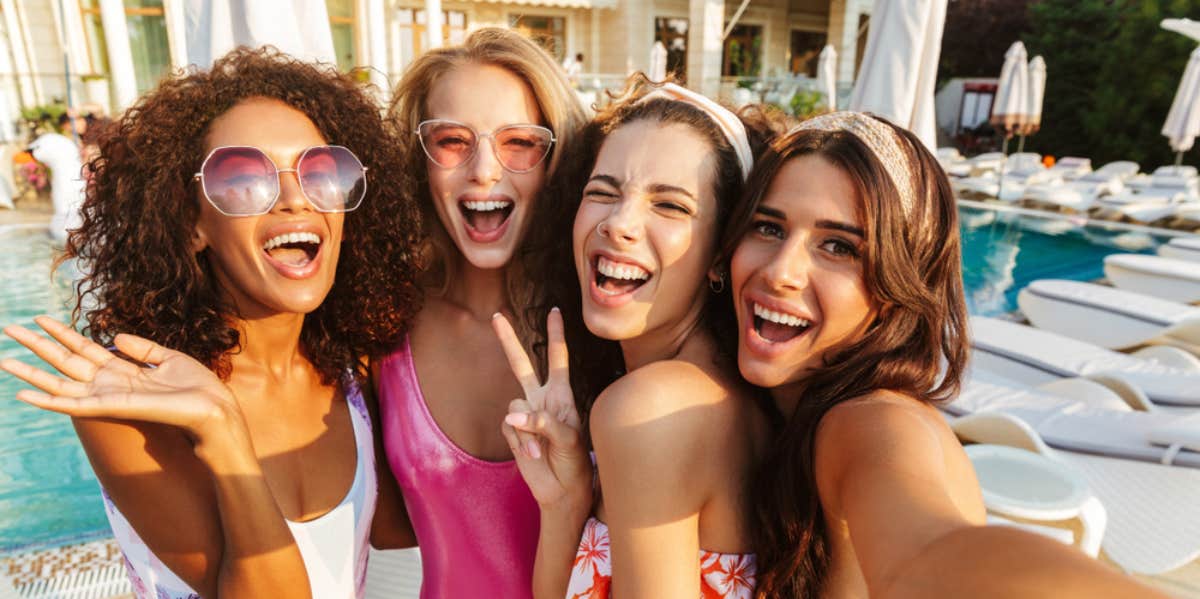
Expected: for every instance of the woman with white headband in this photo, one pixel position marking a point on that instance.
(675, 437)
(847, 285)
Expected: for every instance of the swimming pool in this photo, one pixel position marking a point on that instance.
(49, 496)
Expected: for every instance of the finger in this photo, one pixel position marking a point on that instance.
(143, 407)
(545, 425)
(61, 358)
(528, 443)
(510, 437)
(515, 352)
(142, 349)
(556, 346)
(72, 340)
(54, 385)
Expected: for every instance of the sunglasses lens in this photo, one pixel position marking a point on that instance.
(447, 144)
(332, 178)
(522, 147)
(240, 181)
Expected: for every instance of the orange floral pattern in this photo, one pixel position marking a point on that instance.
(722, 575)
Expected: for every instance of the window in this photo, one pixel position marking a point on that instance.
(805, 51)
(743, 52)
(410, 29)
(341, 25)
(548, 32)
(147, 39)
(673, 33)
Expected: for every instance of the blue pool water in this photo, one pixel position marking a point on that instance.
(49, 496)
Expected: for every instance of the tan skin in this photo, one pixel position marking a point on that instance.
(205, 471)
(901, 501)
(674, 437)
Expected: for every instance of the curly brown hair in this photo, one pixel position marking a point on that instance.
(141, 274)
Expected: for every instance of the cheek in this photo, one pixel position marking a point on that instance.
(587, 218)
(848, 298)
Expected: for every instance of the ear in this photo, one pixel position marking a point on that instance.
(199, 240)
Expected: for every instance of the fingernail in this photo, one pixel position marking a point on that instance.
(516, 419)
(555, 309)
(495, 316)
(532, 448)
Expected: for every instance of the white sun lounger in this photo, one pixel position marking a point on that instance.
(1083, 416)
(1166, 278)
(393, 574)
(1181, 248)
(1034, 357)
(1109, 317)
(1153, 523)
(1019, 171)
(1079, 195)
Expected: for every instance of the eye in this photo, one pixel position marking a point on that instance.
(520, 142)
(451, 141)
(840, 248)
(766, 228)
(675, 207)
(598, 194)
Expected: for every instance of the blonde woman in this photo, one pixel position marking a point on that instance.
(485, 127)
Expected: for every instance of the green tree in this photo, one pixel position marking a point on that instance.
(1112, 72)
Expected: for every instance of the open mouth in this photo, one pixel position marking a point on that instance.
(295, 250)
(778, 327)
(486, 216)
(618, 278)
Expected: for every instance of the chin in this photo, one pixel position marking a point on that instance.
(488, 258)
(612, 327)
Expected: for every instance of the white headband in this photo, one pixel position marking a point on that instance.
(879, 137)
(728, 122)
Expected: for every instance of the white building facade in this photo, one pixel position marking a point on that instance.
(108, 52)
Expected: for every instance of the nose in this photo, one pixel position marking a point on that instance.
(788, 269)
(484, 167)
(623, 223)
(291, 196)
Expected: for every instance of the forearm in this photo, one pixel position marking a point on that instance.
(558, 542)
(260, 557)
(995, 561)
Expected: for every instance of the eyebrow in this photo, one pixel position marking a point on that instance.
(821, 224)
(652, 188)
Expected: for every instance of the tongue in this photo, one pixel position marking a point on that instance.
(486, 222)
(619, 285)
(290, 256)
(776, 332)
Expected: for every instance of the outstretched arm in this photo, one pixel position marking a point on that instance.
(883, 467)
(170, 446)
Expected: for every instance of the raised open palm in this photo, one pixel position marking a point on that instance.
(543, 429)
(168, 387)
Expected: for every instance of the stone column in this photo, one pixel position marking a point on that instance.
(120, 55)
(29, 86)
(433, 24)
(376, 36)
(176, 32)
(706, 24)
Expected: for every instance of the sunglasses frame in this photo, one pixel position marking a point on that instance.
(199, 176)
(479, 137)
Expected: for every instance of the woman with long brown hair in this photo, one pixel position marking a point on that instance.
(847, 286)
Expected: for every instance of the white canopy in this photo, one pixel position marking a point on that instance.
(1036, 93)
(827, 75)
(1187, 27)
(1183, 121)
(297, 27)
(899, 66)
(1009, 109)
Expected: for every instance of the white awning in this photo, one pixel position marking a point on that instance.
(559, 3)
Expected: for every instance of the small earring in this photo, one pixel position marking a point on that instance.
(718, 285)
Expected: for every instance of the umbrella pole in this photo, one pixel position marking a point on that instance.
(1178, 158)
(1004, 163)
(1021, 144)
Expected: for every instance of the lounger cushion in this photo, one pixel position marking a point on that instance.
(1118, 302)
(1179, 430)
(1156, 265)
(1065, 357)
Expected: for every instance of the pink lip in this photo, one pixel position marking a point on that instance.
(495, 234)
(606, 300)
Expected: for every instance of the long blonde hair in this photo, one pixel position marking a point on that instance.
(556, 100)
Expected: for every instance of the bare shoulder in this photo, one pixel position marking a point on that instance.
(881, 421)
(671, 394)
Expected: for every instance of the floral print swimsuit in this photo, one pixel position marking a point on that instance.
(722, 575)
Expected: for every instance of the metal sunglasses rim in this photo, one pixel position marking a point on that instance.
(478, 136)
(279, 172)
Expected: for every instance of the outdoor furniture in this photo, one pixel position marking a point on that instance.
(1167, 376)
(1166, 278)
(1181, 248)
(1109, 317)
(1078, 195)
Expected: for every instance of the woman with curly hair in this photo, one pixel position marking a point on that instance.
(485, 128)
(248, 221)
(847, 287)
(678, 434)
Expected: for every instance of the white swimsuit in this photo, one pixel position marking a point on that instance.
(334, 547)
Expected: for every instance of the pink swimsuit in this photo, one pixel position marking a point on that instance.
(476, 522)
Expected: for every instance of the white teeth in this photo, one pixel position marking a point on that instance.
(283, 238)
(780, 317)
(626, 272)
(486, 206)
